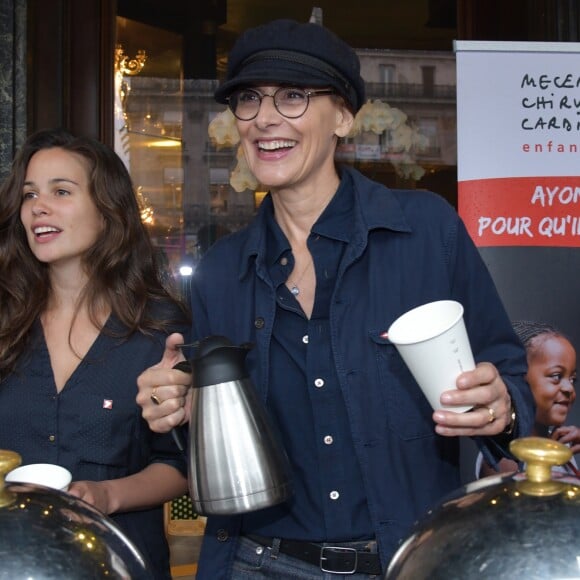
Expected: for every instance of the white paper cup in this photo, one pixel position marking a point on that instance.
(46, 474)
(433, 342)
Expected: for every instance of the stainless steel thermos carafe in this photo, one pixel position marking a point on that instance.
(236, 464)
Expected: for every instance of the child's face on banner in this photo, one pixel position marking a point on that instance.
(552, 377)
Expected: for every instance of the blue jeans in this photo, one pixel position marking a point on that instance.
(254, 561)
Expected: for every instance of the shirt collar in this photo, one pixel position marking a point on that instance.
(336, 220)
(372, 206)
(277, 244)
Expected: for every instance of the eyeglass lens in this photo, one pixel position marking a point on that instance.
(290, 102)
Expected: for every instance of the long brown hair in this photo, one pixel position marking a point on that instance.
(121, 266)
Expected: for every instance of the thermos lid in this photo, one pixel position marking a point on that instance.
(216, 360)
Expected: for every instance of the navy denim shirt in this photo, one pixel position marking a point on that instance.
(93, 427)
(329, 501)
(407, 248)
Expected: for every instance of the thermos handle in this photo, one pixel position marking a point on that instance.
(184, 366)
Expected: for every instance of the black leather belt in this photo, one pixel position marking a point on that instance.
(336, 559)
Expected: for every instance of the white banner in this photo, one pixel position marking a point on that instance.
(518, 121)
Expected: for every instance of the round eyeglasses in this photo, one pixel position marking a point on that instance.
(290, 102)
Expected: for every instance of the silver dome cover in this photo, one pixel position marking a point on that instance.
(505, 526)
(47, 534)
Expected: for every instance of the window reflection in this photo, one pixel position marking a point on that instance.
(183, 180)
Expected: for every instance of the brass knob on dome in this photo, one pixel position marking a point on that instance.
(540, 455)
(8, 461)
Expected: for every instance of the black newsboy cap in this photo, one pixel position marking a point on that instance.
(290, 52)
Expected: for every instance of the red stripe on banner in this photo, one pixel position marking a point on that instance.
(522, 211)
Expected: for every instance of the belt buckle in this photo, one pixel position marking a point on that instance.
(340, 550)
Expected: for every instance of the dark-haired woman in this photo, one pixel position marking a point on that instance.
(83, 311)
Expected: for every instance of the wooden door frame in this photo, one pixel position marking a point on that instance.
(70, 47)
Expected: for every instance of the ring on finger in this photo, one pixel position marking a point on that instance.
(492, 416)
(156, 400)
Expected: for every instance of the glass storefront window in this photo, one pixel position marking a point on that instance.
(183, 178)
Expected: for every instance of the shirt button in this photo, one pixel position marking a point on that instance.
(52, 438)
(319, 383)
(222, 535)
(329, 440)
(334, 495)
(305, 339)
(284, 261)
(259, 323)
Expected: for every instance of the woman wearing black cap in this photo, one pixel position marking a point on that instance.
(329, 262)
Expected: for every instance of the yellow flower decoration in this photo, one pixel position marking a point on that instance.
(241, 177)
(222, 130)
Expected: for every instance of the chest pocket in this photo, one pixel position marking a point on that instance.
(107, 436)
(408, 412)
